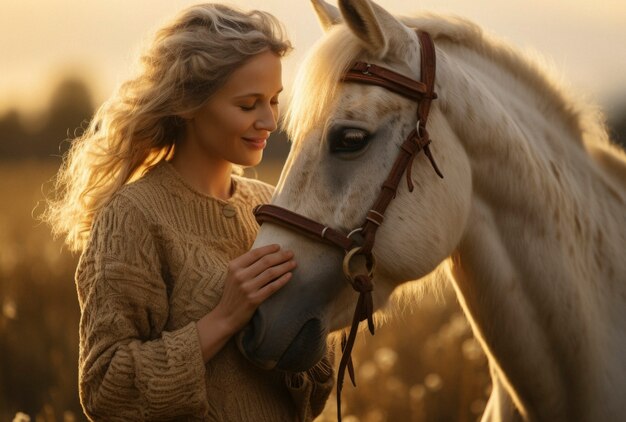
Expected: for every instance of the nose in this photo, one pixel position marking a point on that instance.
(250, 339)
(292, 354)
(267, 119)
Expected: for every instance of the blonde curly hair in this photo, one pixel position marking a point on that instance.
(188, 60)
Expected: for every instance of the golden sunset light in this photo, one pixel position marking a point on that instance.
(41, 42)
(217, 230)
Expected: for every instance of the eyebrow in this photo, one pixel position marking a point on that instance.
(256, 94)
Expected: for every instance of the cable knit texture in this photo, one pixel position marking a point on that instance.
(154, 265)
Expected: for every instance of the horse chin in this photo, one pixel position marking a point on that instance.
(306, 349)
(302, 353)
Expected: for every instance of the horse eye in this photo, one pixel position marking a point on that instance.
(347, 139)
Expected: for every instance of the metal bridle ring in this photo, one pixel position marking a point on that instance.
(420, 129)
(370, 263)
(354, 231)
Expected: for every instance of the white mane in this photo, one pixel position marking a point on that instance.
(528, 223)
(314, 87)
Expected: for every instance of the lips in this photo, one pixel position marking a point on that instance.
(256, 143)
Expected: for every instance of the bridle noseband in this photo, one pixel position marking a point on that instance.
(418, 140)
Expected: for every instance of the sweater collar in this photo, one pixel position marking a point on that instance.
(168, 168)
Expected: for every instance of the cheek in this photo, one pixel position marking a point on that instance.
(234, 123)
(223, 120)
(206, 128)
(206, 125)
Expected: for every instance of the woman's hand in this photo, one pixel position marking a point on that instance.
(250, 280)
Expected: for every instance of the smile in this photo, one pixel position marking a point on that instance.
(256, 143)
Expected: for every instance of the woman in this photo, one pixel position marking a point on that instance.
(148, 196)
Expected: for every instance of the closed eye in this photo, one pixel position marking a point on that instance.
(245, 107)
(344, 139)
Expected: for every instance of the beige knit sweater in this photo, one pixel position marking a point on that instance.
(154, 265)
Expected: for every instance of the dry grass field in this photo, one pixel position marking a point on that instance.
(423, 365)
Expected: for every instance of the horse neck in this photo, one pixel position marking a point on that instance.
(539, 264)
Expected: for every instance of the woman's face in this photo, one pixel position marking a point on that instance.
(233, 126)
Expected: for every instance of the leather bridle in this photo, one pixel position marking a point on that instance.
(418, 140)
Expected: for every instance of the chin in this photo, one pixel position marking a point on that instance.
(250, 162)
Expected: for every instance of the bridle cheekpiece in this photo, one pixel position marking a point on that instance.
(418, 140)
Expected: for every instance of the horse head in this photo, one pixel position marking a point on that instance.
(345, 139)
(528, 223)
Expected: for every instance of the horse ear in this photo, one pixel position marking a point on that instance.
(327, 15)
(372, 24)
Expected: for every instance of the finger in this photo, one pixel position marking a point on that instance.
(272, 273)
(270, 288)
(267, 261)
(253, 255)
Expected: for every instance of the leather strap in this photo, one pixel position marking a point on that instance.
(282, 216)
(424, 92)
(417, 140)
(428, 69)
(364, 311)
(371, 74)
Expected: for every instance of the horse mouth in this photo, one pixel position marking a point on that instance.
(304, 351)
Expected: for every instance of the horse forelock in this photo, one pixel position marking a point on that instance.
(316, 81)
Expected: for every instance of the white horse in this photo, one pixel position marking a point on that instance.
(529, 222)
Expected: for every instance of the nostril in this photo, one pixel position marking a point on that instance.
(252, 335)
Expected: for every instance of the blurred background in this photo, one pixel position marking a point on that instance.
(60, 59)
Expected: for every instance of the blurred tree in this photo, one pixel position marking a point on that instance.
(11, 134)
(71, 107)
(69, 110)
(277, 147)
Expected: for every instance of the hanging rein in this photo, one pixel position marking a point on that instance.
(418, 140)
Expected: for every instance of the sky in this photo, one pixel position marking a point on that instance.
(41, 41)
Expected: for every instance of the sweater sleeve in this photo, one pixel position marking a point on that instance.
(129, 368)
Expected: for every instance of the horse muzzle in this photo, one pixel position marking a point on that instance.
(299, 353)
(288, 330)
